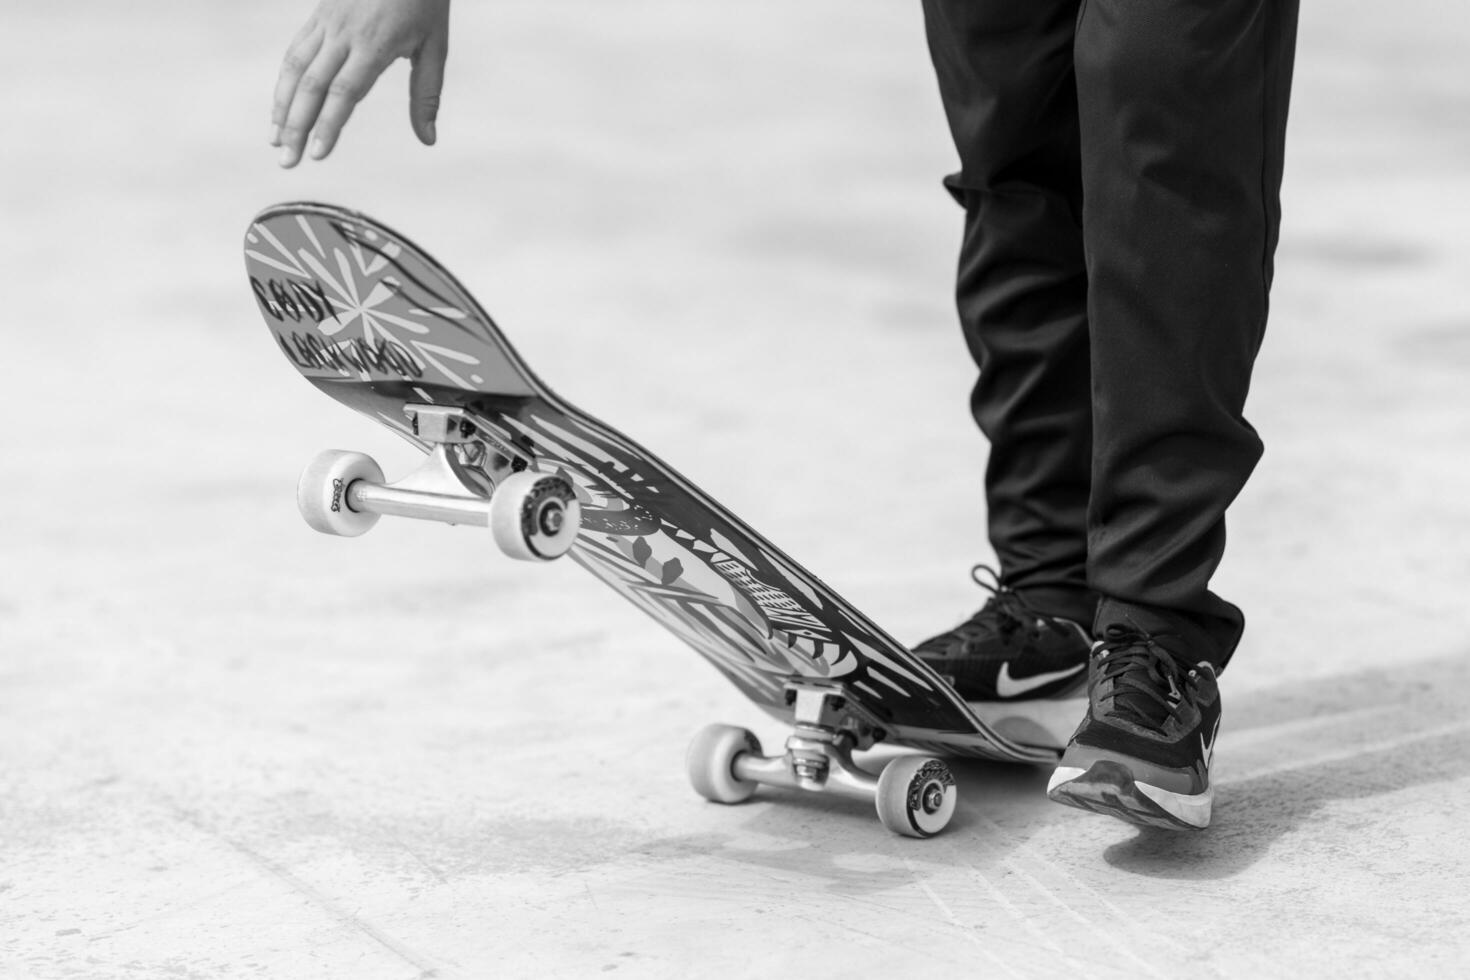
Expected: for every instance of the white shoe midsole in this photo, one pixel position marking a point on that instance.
(1063, 774)
(1191, 809)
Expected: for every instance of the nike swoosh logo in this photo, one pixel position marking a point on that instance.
(1209, 747)
(1007, 686)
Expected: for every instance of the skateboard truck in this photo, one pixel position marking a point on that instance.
(468, 478)
(914, 795)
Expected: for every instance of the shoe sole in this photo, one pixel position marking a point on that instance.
(1109, 788)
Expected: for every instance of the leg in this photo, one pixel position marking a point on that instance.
(1005, 74)
(1183, 117)
(1183, 108)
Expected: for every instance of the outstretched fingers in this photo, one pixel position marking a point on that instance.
(337, 57)
(352, 84)
(313, 86)
(299, 57)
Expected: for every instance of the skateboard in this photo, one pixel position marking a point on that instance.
(374, 322)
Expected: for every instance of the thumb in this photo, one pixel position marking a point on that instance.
(425, 82)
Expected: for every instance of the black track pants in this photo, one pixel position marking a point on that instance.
(1120, 172)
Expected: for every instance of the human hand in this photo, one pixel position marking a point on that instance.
(339, 54)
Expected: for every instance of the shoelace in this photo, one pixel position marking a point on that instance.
(1010, 612)
(1149, 683)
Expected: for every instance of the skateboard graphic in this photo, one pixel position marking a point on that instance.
(377, 324)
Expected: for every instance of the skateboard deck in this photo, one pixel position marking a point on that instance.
(377, 324)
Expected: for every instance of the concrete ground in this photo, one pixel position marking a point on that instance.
(232, 747)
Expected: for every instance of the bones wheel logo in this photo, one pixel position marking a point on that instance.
(933, 779)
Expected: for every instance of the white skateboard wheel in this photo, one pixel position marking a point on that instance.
(711, 763)
(535, 516)
(321, 493)
(916, 796)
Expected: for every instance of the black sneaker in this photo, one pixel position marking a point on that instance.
(1143, 752)
(1010, 651)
